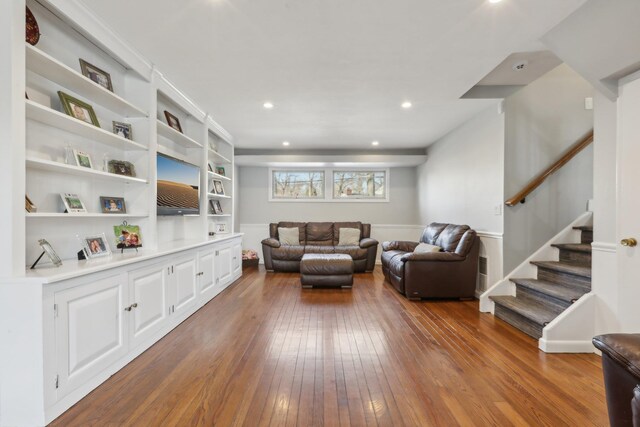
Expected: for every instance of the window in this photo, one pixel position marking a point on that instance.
(290, 184)
(359, 184)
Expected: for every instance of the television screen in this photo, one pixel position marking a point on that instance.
(178, 186)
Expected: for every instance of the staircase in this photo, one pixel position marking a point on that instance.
(559, 284)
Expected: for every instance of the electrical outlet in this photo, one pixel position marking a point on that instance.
(588, 103)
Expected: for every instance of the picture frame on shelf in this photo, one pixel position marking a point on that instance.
(221, 228)
(122, 167)
(50, 252)
(83, 159)
(78, 109)
(113, 205)
(32, 35)
(96, 75)
(29, 206)
(72, 203)
(127, 236)
(218, 187)
(215, 207)
(173, 121)
(123, 130)
(209, 167)
(220, 170)
(96, 246)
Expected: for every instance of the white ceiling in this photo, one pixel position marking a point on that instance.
(336, 70)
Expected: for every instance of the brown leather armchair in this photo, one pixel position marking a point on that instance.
(621, 368)
(451, 273)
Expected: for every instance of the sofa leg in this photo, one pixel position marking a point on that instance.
(414, 298)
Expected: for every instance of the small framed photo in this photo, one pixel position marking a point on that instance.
(220, 170)
(215, 207)
(221, 228)
(173, 121)
(123, 130)
(121, 167)
(96, 246)
(127, 236)
(113, 205)
(95, 74)
(218, 187)
(48, 249)
(78, 109)
(72, 203)
(82, 159)
(29, 206)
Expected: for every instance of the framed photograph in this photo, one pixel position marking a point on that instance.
(72, 203)
(95, 74)
(113, 205)
(48, 249)
(127, 236)
(218, 187)
(28, 204)
(123, 129)
(82, 159)
(78, 109)
(215, 207)
(173, 121)
(96, 246)
(220, 170)
(221, 228)
(121, 167)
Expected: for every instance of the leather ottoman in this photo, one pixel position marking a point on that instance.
(326, 270)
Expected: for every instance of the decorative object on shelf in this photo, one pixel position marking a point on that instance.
(127, 236)
(38, 97)
(212, 146)
(78, 109)
(96, 246)
(220, 170)
(113, 205)
(250, 258)
(121, 167)
(29, 206)
(32, 29)
(123, 129)
(72, 203)
(47, 249)
(215, 207)
(221, 228)
(173, 121)
(69, 157)
(82, 159)
(209, 167)
(96, 75)
(218, 187)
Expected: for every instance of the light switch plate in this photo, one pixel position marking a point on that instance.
(588, 103)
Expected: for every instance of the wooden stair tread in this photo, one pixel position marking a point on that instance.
(563, 267)
(575, 247)
(532, 309)
(566, 293)
(584, 228)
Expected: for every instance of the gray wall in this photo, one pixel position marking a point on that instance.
(255, 208)
(542, 121)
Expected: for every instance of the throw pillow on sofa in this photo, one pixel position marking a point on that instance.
(425, 247)
(349, 237)
(289, 236)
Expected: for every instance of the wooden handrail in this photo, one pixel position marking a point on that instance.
(535, 182)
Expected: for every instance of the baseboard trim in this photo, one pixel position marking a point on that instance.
(566, 346)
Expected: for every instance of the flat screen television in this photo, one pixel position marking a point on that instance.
(178, 187)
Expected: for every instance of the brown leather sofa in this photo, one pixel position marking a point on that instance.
(451, 273)
(621, 368)
(318, 238)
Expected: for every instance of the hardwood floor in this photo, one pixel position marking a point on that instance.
(265, 352)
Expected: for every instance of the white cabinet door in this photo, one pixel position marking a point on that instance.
(237, 260)
(149, 304)
(89, 329)
(207, 282)
(183, 281)
(223, 265)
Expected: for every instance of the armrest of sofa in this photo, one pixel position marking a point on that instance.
(433, 256)
(397, 245)
(368, 242)
(271, 242)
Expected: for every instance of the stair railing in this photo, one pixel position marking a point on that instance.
(538, 180)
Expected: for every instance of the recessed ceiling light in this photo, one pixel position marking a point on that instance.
(375, 143)
(286, 143)
(268, 105)
(406, 104)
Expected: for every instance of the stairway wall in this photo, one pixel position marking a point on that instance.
(541, 121)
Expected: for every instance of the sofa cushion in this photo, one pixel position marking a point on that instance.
(450, 237)
(319, 233)
(289, 236)
(338, 225)
(348, 236)
(319, 249)
(396, 265)
(431, 233)
(387, 256)
(288, 224)
(425, 247)
(288, 253)
(356, 252)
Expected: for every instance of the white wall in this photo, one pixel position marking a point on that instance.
(542, 121)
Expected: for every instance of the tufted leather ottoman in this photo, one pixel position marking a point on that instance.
(326, 270)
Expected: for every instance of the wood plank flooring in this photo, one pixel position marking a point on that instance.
(267, 353)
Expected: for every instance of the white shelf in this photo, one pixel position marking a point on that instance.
(80, 215)
(219, 157)
(53, 118)
(217, 196)
(54, 70)
(51, 166)
(214, 175)
(219, 215)
(177, 137)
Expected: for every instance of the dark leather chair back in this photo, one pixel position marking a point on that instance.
(450, 237)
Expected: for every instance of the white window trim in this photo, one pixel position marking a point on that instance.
(328, 185)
